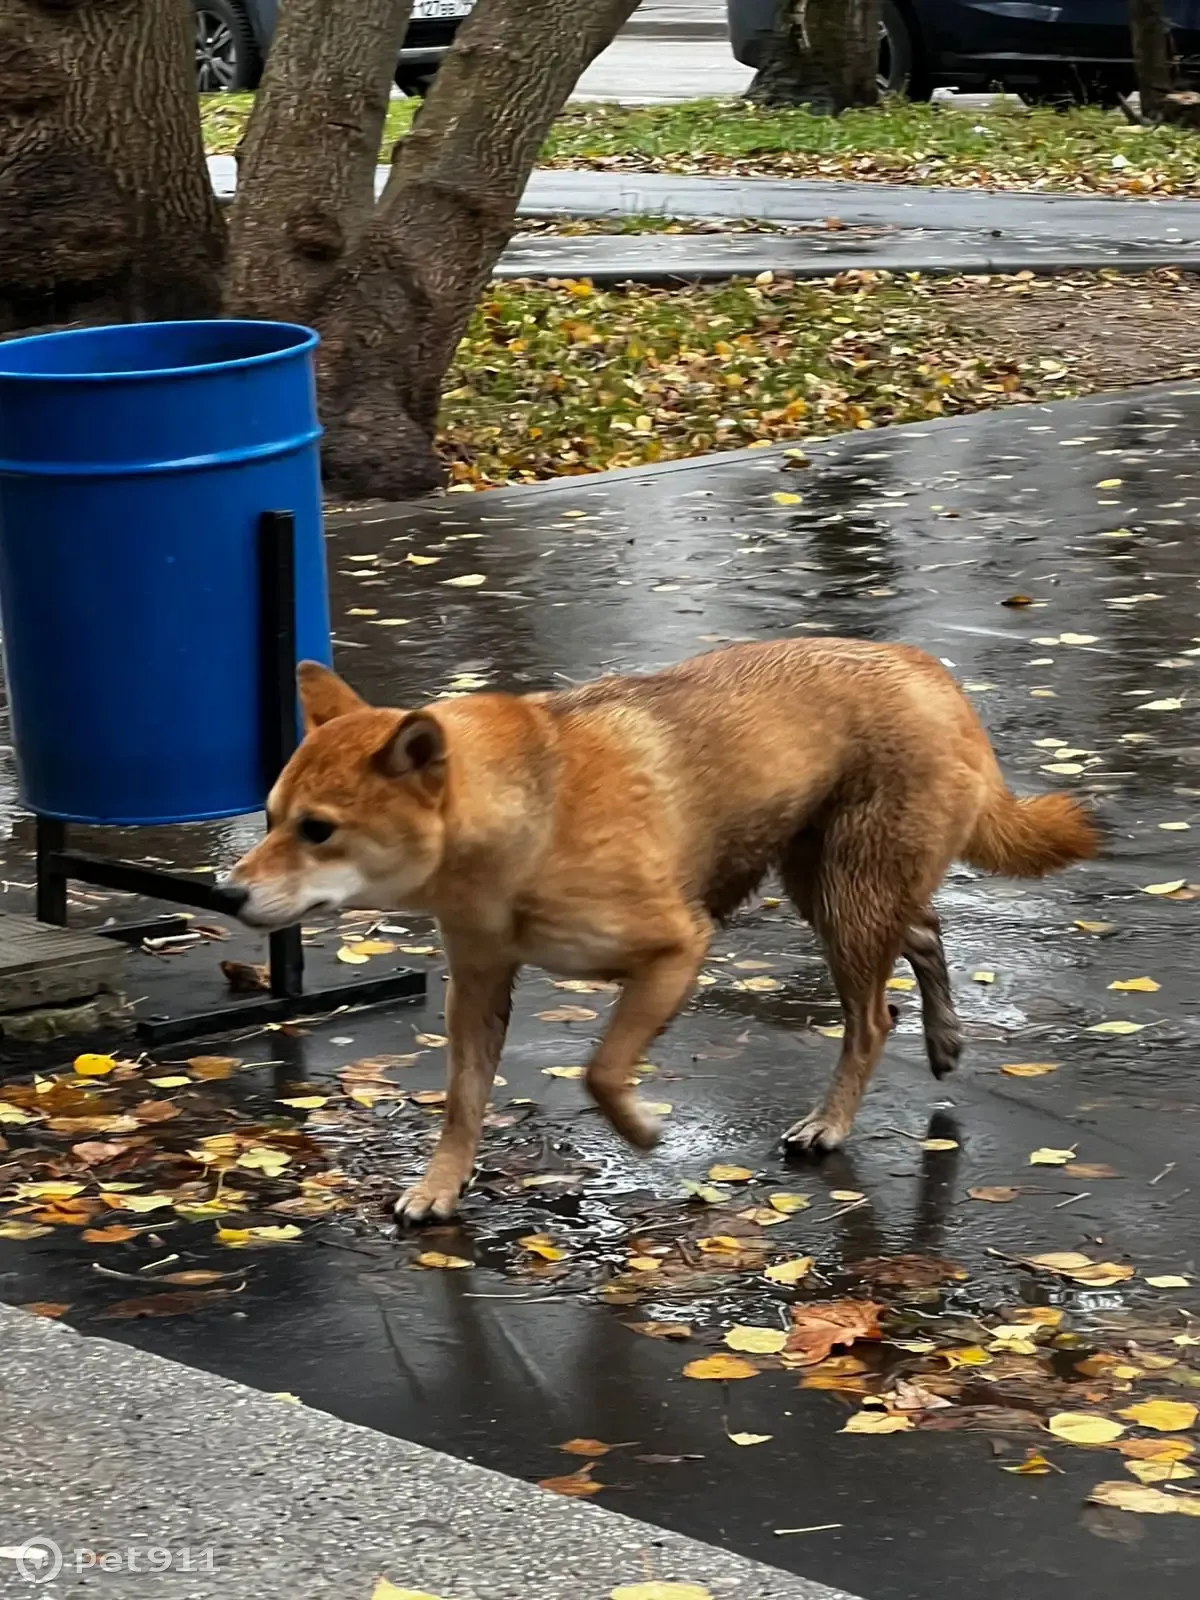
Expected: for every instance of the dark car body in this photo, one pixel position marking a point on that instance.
(233, 37)
(1080, 46)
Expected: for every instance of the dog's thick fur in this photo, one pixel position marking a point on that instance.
(604, 831)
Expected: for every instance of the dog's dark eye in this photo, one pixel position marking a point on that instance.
(315, 830)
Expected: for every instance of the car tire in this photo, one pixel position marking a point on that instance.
(415, 83)
(227, 53)
(902, 67)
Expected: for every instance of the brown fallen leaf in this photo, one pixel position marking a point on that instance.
(998, 1195)
(907, 1271)
(212, 1068)
(1090, 1169)
(46, 1308)
(244, 978)
(567, 1014)
(114, 1233)
(585, 1447)
(149, 1111)
(1156, 1449)
(578, 1485)
(822, 1326)
(1122, 1495)
(174, 1304)
(95, 1152)
(662, 1330)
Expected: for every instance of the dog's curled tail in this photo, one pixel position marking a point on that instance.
(1028, 836)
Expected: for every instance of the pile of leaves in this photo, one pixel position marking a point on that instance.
(562, 379)
(1081, 149)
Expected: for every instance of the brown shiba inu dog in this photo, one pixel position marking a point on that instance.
(603, 833)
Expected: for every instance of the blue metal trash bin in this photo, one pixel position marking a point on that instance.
(135, 462)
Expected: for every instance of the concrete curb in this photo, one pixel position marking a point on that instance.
(114, 1450)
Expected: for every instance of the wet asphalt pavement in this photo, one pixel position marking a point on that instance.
(1086, 511)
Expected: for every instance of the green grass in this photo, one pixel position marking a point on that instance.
(568, 379)
(1083, 149)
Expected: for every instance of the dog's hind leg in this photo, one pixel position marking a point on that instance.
(923, 950)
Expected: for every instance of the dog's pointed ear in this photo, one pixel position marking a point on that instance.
(416, 747)
(323, 695)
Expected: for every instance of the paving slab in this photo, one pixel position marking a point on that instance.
(118, 1456)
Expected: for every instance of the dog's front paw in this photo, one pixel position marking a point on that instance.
(815, 1134)
(430, 1200)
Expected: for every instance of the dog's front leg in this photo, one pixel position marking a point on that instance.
(478, 1003)
(647, 1003)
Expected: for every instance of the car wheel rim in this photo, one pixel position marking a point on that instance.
(216, 53)
(885, 73)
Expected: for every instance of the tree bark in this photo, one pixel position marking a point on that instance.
(306, 178)
(823, 54)
(106, 211)
(392, 316)
(1151, 56)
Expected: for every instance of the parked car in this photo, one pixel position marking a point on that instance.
(233, 36)
(1076, 49)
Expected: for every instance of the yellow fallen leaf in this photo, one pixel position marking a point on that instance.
(983, 976)
(1137, 985)
(877, 1422)
(719, 1244)
(1119, 1027)
(720, 1368)
(1123, 1496)
(1095, 927)
(1172, 887)
(175, 1081)
(384, 1590)
(903, 984)
(789, 1272)
(782, 498)
(1034, 1465)
(835, 1030)
(562, 1072)
(660, 1591)
(1028, 1069)
(1159, 1471)
(756, 1341)
(48, 1189)
(1171, 703)
(422, 561)
(1164, 1416)
(846, 1197)
(789, 1204)
(468, 580)
(13, 1114)
(374, 947)
(264, 1158)
(750, 1438)
(705, 1192)
(1156, 1449)
(539, 1244)
(1046, 1157)
(658, 1108)
(968, 1355)
(276, 1233)
(723, 1174)
(1084, 1427)
(764, 1216)
(758, 985)
(1109, 483)
(939, 1144)
(93, 1066)
(1066, 1261)
(1169, 1281)
(304, 1102)
(143, 1202)
(1175, 827)
(1078, 638)
(22, 1230)
(644, 1263)
(435, 1260)
(351, 957)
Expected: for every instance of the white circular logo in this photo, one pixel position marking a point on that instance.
(39, 1560)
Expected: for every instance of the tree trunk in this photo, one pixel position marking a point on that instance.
(106, 211)
(392, 316)
(1151, 55)
(306, 178)
(823, 54)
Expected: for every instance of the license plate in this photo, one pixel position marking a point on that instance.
(441, 8)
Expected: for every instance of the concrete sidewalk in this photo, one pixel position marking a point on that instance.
(114, 1451)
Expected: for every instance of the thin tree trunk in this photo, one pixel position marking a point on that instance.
(106, 211)
(392, 317)
(1151, 55)
(307, 163)
(823, 54)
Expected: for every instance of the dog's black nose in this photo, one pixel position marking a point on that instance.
(235, 897)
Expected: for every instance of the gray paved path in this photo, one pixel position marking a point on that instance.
(113, 1450)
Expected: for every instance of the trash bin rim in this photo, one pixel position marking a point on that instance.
(306, 341)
